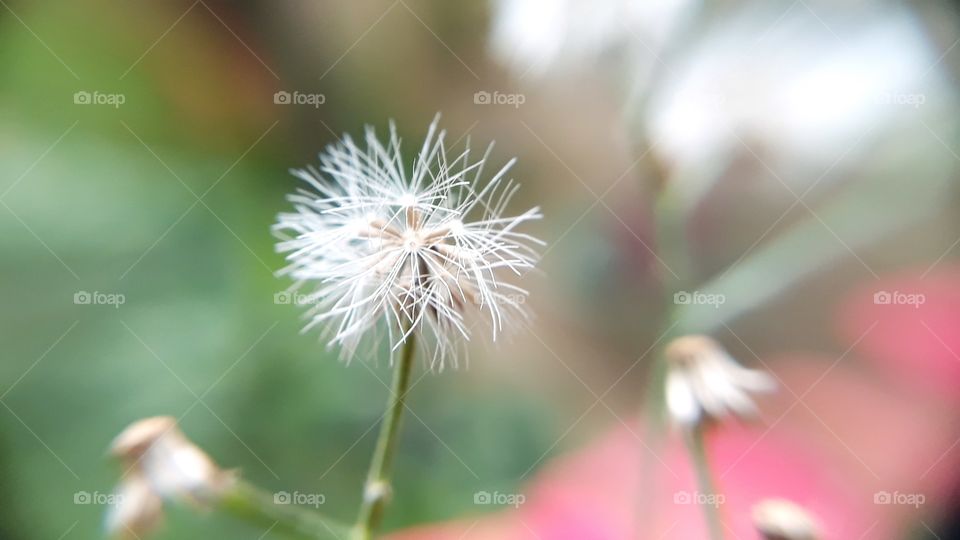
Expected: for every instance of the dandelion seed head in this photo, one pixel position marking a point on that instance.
(390, 251)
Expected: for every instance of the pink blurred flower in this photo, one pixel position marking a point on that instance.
(595, 494)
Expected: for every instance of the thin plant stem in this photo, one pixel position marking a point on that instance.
(670, 246)
(710, 499)
(377, 490)
(249, 503)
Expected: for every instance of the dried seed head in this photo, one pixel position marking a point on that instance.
(397, 251)
(779, 519)
(161, 464)
(704, 383)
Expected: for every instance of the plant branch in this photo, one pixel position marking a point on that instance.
(252, 504)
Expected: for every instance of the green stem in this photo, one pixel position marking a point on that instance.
(377, 490)
(249, 503)
(709, 499)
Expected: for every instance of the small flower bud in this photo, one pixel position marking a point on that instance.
(779, 519)
(705, 383)
(161, 465)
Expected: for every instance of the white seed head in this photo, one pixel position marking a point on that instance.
(161, 464)
(779, 519)
(391, 251)
(705, 383)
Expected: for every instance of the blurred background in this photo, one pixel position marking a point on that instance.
(781, 175)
